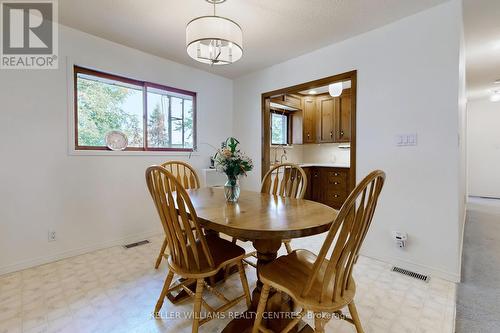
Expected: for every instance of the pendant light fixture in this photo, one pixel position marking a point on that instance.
(335, 89)
(214, 40)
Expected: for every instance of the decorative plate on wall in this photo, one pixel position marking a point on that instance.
(116, 140)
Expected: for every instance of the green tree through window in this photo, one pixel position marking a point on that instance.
(107, 102)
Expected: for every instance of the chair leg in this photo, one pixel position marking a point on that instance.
(244, 283)
(319, 322)
(197, 305)
(162, 251)
(264, 294)
(355, 317)
(288, 246)
(164, 291)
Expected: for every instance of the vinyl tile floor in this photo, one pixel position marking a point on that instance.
(115, 290)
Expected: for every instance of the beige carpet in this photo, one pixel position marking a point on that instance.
(478, 296)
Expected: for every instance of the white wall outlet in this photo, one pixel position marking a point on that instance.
(400, 238)
(52, 235)
(410, 139)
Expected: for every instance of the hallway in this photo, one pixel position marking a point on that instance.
(478, 294)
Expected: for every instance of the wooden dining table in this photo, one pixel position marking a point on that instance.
(265, 220)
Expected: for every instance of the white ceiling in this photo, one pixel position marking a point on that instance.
(273, 31)
(482, 37)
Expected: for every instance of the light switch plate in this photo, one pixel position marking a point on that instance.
(403, 140)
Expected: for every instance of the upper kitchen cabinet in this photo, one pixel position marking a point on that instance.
(309, 120)
(287, 101)
(334, 118)
(342, 116)
(326, 112)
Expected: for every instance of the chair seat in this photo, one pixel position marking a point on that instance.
(290, 273)
(223, 252)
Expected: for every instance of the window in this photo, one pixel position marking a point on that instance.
(279, 128)
(152, 116)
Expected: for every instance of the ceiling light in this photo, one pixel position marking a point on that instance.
(214, 40)
(335, 89)
(495, 96)
(312, 92)
(497, 82)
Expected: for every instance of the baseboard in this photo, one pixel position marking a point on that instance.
(419, 268)
(75, 252)
(461, 250)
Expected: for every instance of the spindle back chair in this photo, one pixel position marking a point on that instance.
(186, 175)
(193, 255)
(324, 283)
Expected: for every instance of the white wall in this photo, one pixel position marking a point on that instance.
(483, 148)
(91, 201)
(408, 81)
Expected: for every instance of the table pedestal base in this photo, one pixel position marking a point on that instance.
(280, 304)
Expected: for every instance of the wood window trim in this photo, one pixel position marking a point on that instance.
(144, 84)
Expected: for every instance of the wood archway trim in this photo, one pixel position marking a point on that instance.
(266, 131)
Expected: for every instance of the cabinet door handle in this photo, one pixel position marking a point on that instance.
(341, 133)
(331, 134)
(336, 174)
(335, 195)
(335, 183)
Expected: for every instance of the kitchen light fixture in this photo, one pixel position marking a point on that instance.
(312, 92)
(497, 82)
(214, 40)
(495, 96)
(335, 89)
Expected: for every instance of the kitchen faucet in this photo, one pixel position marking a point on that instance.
(283, 155)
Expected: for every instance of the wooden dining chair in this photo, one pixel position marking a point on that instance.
(285, 180)
(324, 283)
(186, 175)
(194, 256)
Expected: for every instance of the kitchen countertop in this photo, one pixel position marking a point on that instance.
(326, 165)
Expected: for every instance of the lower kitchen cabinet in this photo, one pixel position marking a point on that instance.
(327, 185)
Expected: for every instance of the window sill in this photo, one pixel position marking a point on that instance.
(74, 152)
(282, 146)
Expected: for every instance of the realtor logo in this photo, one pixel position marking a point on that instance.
(29, 34)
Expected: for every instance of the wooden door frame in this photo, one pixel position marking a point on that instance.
(266, 114)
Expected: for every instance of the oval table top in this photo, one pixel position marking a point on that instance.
(261, 216)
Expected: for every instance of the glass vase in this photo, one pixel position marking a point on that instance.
(232, 189)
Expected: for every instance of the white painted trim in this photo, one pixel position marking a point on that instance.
(419, 268)
(78, 251)
(454, 314)
(129, 153)
(461, 249)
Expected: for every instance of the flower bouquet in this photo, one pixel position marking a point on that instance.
(231, 161)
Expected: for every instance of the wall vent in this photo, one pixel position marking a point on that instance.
(414, 275)
(128, 246)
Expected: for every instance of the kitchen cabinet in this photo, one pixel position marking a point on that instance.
(342, 116)
(327, 185)
(292, 101)
(326, 112)
(308, 120)
(320, 119)
(334, 118)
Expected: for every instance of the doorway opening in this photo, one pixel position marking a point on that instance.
(313, 124)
